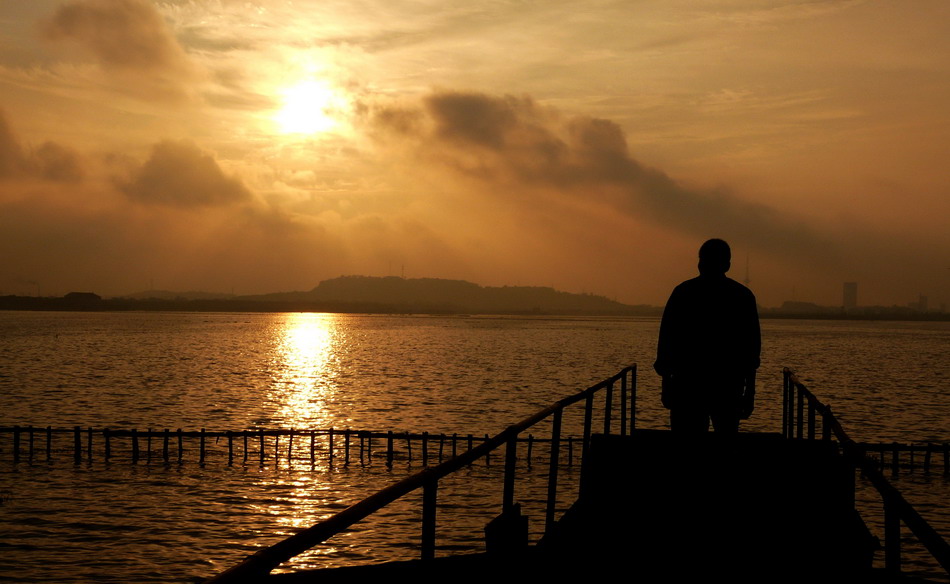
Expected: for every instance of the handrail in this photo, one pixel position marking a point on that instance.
(896, 507)
(262, 562)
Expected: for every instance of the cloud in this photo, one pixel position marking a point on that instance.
(51, 161)
(12, 160)
(130, 41)
(533, 150)
(179, 174)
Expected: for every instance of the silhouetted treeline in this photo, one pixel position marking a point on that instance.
(360, 294)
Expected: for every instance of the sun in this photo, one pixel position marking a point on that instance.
(308, 108)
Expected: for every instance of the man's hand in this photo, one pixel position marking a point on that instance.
(747, 401)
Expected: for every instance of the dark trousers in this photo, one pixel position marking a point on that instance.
(690, 420)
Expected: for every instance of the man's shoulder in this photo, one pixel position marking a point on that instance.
(701, 283)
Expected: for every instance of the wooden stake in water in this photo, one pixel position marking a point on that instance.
(77, 445)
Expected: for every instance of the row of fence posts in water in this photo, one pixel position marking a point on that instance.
(167, 446)
(172, 446)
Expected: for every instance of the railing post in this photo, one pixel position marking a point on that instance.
(826, 418)
(892, 536)
(508, 493)
(633, 399)
(800, 422)
(608, 398)
(623, 404)
(389, 449)
(786, 400)
(811, 420)
(588, 416)
(552, 472)
(429, 494)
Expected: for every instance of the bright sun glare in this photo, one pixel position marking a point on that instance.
(307, 108)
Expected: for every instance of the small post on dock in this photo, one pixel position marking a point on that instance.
(409, 448)
(16, 445)
(201, 447)
(313, 443)
(77, 444)
(261, 436)
(89, 443)
(927, 454)
(245, 434)
(389, 449)
(230, 448)
(106, 435)
(346, 447)
(148, 446)
(49, 443)
(330, 447)
(181, 445)
(290, 448)
(135, 446)
(30, 432)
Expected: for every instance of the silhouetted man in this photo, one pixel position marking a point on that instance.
(709, 347)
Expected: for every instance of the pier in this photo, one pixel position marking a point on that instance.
(776, 507)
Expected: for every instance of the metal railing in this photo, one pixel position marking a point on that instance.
(801, 411)
(263, 561)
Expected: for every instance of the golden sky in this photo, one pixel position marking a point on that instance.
(591, 146)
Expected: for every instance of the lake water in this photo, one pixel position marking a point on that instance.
(122, 522)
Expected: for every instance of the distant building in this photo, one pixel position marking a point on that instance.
(922, 304)
(850, 301)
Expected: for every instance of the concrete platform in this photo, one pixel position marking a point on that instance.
(755, 507)
(657, 508)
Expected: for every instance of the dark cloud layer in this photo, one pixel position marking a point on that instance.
(516, 141)
(130, 40)
(179, 174)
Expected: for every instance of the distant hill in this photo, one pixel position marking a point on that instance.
(168, 295)
(394, 294)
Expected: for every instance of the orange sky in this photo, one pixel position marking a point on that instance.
(265, 146)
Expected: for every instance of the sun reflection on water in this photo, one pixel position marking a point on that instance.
(308, 356)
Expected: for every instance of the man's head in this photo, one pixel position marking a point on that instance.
(714, 257)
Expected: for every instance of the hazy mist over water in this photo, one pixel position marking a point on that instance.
(885, 380)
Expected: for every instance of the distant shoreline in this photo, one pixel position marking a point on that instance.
(65, 304)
